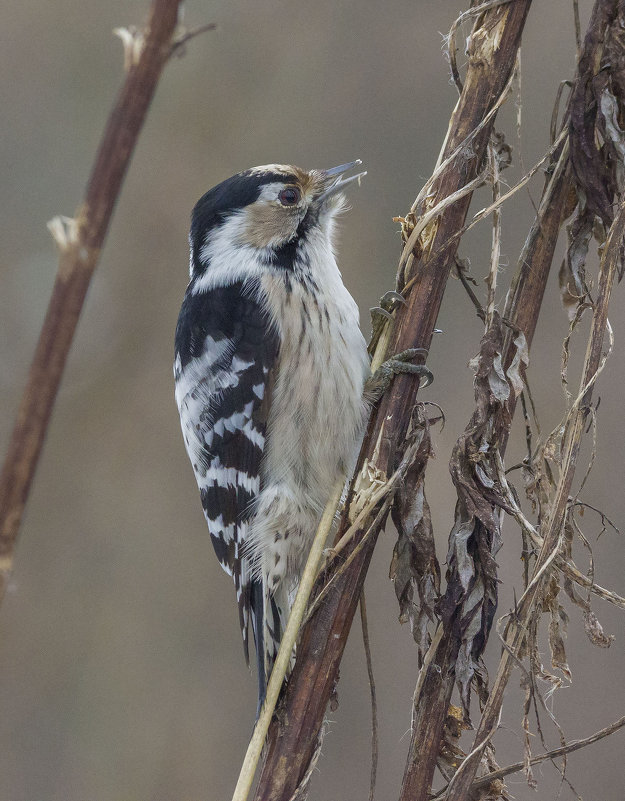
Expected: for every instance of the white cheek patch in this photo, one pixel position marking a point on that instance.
(227, 261)
(242, 247)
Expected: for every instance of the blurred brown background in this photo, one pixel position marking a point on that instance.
(121, 671)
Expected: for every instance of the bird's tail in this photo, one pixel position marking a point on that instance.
(269, 612)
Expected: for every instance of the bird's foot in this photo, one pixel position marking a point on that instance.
(388, 303)
(398, 364)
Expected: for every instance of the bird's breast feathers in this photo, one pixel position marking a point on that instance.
(317, 407)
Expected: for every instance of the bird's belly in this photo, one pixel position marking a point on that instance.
(315, 423)
(317, 406)
(314, 428)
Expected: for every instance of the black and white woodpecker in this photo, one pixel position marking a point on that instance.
(270, 365)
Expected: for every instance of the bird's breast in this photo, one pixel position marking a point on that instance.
(317, 409)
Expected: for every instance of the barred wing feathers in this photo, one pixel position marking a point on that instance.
(225, 353)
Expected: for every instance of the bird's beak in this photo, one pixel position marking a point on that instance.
(335, 181)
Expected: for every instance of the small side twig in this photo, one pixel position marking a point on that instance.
(496, 204)
(178, 45)
(374, 702)
(516, 767)
(484, 781)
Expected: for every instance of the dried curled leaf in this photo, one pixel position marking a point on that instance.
(519, 363)
(616, 136)
(592, 171)
(526, 686)
(557, 626)
(597, 141)
(592, 626)
(414, 570)
(595, 632)
(450, 755)
(502, 150)
(572, 275)
(476, 534)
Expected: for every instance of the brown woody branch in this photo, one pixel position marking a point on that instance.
(294, 732)
(460, 787)
(523, 304)
(433, 695)
(80, 241)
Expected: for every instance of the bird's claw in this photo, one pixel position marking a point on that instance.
(390, 297)
(400, 363)
(380, 311)
(387, 303)
(380, 315)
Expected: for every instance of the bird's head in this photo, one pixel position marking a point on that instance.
(268, 214)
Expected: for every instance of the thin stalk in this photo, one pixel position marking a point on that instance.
(289, 638)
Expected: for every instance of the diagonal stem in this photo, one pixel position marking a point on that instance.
(436, 679)
(293, 734)
(80, 241)
(460, 786)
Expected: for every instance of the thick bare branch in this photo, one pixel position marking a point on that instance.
(437, 678)
(293, 735)
(80, 241)
(522, 308)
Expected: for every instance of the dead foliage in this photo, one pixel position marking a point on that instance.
(584, 174)
(471, 596)
(414, 570)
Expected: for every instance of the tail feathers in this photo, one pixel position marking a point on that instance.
(268, 613)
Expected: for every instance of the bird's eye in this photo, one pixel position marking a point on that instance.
(289, 196)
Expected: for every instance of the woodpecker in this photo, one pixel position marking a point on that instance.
(269, 370)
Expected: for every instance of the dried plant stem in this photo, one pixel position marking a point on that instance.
(293, 734)
(489, 778)
(497, 204)
(436, 679)
(374, 702)
(452, 47)
(289, 638)
(496, 239)
(367, 521)
(565, 565)
(460, 786)
(570, 570)
(80, 241)
(528, 285)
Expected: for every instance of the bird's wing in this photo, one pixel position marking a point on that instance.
(225, 355)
